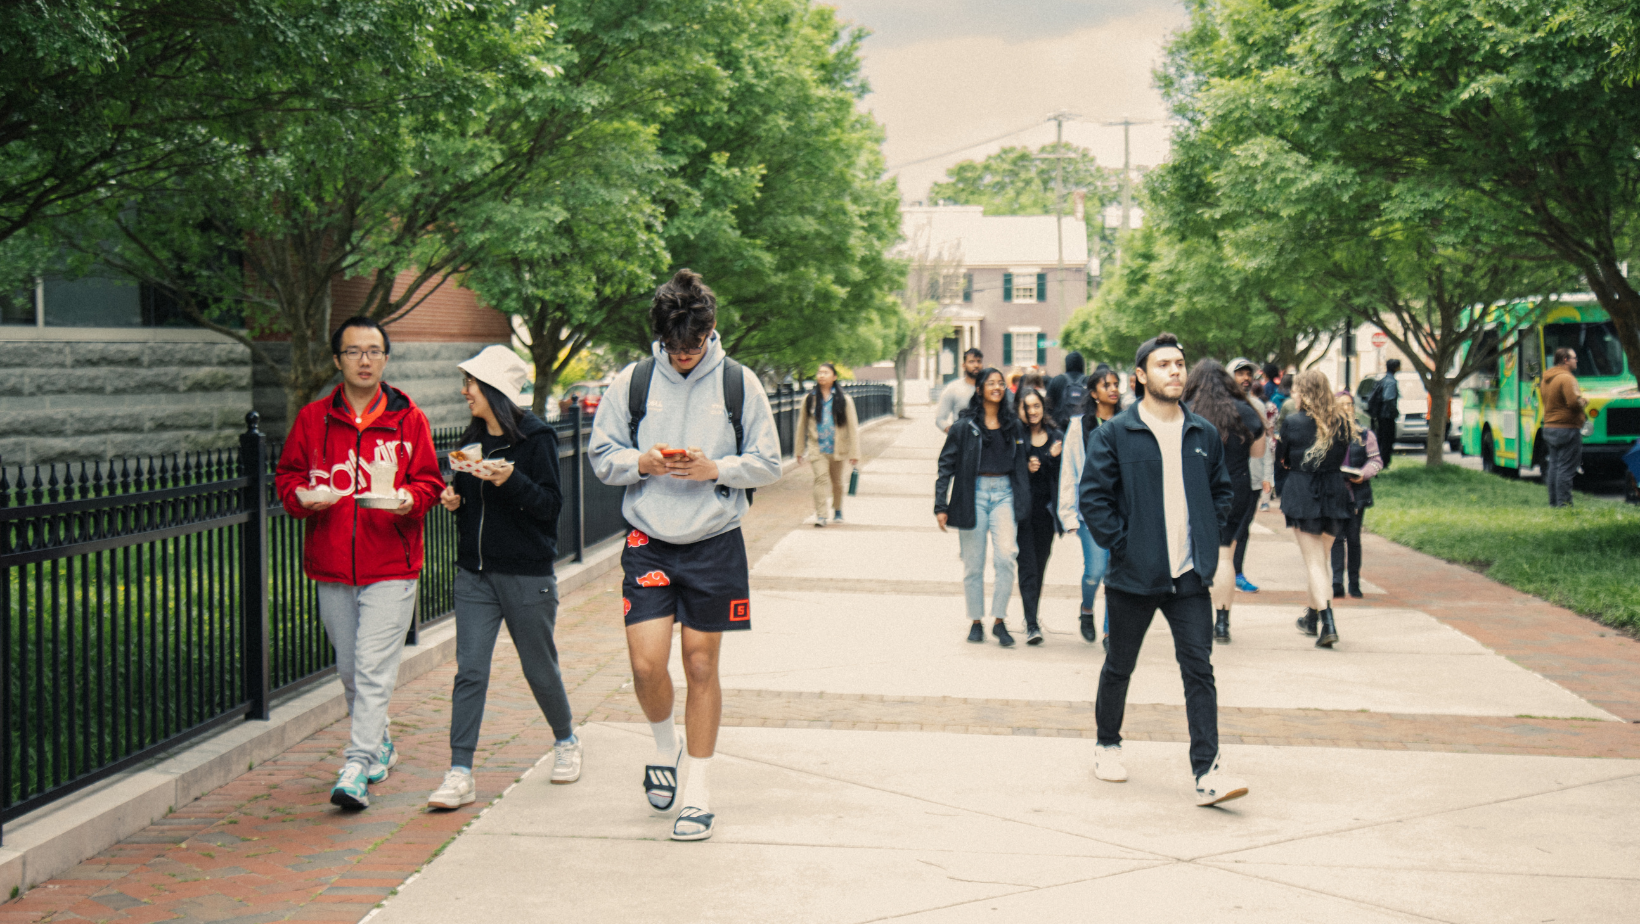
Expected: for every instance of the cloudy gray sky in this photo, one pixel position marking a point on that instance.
(952, 73)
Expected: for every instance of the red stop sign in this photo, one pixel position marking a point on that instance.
(1380, 340)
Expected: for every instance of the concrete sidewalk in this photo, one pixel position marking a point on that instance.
(1438, 766)
(823, 823)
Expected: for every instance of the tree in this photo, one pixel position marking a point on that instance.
(933, 278)
(1019, 181)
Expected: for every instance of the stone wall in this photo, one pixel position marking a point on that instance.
(86, 400)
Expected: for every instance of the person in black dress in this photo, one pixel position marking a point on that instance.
(1311, 446)
(1043, 445)
(1213, 393)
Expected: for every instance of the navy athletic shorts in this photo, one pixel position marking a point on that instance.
(705, 584)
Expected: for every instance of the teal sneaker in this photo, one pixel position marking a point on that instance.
(352, 790)
(386, 760)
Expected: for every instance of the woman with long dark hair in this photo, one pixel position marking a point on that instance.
(507, 531)
(984, 490)
(1104, 402)
(1214, 394)
(827, 426)
(1043, 446)
(1312, 444)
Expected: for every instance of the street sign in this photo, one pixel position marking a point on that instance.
(1380, 340)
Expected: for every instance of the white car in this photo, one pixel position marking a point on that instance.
(1412, 423)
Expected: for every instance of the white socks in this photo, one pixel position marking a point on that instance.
(695, 791)
(666, 741)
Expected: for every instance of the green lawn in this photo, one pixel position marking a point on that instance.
(1585, 559)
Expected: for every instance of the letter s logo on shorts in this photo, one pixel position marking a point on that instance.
(654, 579)
(740, 610)
(635, 539)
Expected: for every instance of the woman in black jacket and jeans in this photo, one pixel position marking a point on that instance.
(507, 528)
(1043, 448)
(984, 489)
(1311, 444)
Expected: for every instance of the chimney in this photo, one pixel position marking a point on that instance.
(1081, 199)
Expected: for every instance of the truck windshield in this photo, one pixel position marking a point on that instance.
(1598, 352)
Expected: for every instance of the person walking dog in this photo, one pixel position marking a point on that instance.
(1157, 493)
(829, 428)
(685, 557)
(359, 470)
(1563, 417)
(1312, 444)
(506, 540)
(983, 489)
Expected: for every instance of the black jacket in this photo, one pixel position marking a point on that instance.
(513, 528)
(1121, 500)
(959, 472)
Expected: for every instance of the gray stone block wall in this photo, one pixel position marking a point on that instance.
(74, 401)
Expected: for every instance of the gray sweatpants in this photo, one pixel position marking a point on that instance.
(529, 606)
(367, 625)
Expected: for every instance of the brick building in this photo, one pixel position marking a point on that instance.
(100, 368)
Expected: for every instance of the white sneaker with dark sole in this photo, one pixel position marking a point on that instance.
(456, 790)
(1107, 763)
(1216, 786)
(566, 760)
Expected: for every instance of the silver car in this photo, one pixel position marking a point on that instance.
(1412, 423)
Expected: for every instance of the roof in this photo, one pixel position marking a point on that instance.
(991, 240)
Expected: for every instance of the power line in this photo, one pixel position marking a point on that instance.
(924, 160)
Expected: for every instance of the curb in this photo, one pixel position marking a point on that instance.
(58, 837)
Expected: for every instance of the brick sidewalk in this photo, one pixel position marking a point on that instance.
(269, 847)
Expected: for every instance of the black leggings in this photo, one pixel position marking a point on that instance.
(1348, 544)
(1244, 530)
(1036, 537)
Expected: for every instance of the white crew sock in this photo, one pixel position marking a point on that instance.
(695, 791)
(666, 741)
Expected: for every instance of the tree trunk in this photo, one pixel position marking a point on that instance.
(1622, 303)
(900, 360)
(1440, 392)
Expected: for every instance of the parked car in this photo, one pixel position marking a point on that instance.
(1412, 424)
(587, 393)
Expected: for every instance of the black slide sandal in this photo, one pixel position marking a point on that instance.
(661, 780)
(693, 817)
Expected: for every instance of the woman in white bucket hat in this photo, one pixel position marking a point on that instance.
(506, 511)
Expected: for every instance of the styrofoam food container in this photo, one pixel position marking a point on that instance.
(316, 495)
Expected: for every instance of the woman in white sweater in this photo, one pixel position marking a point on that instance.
(1105, 390)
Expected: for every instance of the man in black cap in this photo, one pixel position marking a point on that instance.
(1156, 492)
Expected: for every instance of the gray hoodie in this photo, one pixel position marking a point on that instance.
(685, 412)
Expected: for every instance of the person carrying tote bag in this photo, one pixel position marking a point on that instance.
(828, 432)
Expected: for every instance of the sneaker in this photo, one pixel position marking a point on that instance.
(1033, 635)
(1216, 786)
(1089, 633)
(976, 633)
(566, 760)
(1245, 586)
(819, 523)
(1000, 630)
(386, 760)
(1107, 763)
(837, 516)
(352, 790)
(456, 790)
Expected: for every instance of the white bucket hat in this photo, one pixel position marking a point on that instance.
(500, 368)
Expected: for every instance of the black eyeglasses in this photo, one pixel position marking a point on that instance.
(352, 354)
(680, 351)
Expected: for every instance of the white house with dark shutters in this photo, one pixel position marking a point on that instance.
(1022, 279)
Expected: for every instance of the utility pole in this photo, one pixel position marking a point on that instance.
(1059, 203)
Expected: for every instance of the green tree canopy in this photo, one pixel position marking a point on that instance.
(1019, 181)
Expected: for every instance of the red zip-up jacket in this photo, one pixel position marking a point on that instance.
(346, 543)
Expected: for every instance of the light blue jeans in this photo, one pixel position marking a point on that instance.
(1095, 562)
(993, 516)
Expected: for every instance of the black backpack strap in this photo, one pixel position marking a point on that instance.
(637, 394)
(734, 399)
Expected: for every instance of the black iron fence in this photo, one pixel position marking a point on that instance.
(147, 602)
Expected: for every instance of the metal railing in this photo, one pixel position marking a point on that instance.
(147, 602)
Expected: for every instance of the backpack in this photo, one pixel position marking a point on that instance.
(1073, 400)
(734, 401)
(1376, 400)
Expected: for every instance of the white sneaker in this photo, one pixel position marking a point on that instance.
(456, 790)
(1216, 786)
(566, 760)
(1107, 763)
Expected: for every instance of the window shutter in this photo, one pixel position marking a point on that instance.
(1041, 287)
(1042, 350)
(1007, 349)
(1007, 287)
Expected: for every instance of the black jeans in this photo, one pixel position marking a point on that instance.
(1383, 428)
(1189, 613)
(1348, 545)
(1036, 537)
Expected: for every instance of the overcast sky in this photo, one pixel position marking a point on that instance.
(950, 73)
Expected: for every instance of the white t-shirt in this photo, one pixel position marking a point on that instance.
(1170, 438)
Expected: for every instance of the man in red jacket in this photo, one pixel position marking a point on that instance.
(359, 468)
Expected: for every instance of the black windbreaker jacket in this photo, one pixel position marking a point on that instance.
(513, 528)
(1121, 500)
(959, 472)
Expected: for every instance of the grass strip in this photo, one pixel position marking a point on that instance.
(1585, 558)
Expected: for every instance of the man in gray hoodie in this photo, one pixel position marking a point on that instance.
(686, 471)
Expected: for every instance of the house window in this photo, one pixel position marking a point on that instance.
(1021, 286)
(100, 298)
(1022, 346)
(967, 287)
(17, 306)
(1025, 289)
